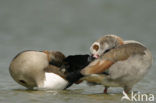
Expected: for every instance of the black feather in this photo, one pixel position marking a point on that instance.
(74, 64)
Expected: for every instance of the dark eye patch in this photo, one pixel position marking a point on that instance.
(96, 47)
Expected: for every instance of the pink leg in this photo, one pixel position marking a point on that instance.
(106, 89)
(127, 89)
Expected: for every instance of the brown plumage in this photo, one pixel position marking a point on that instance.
(55, 57)
(121, 53)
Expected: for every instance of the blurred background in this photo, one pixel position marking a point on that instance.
(71, 26)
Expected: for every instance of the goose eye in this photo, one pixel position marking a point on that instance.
(96, 47)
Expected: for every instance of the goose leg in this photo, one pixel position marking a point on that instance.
(106, 89)
(127, 89)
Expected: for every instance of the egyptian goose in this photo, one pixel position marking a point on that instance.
(126, 62)
(47, 69)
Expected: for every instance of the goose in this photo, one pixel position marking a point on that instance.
(47, 69)
(126, 63)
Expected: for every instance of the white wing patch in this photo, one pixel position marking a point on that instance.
(54, 81)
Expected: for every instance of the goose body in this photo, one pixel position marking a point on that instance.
(126, 64)
(47, 69)
(32, 69)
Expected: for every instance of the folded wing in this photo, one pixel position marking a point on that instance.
(120, 53)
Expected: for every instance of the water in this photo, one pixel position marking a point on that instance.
(71, 26)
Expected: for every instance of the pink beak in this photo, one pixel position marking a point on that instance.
(95, 56)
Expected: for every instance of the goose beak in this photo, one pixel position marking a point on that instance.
(96, 56)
